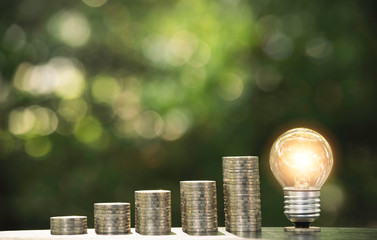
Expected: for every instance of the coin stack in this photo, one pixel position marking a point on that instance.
(199, 207)
(242, 194)
(112, 218)
(153, 212)
(68, 225)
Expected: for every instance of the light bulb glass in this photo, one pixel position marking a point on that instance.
(301, 159)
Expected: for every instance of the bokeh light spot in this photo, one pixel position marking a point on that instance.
(127, 105)
(180, 48)
(278, 46)
(267, 78)
(88, 130)
(94, 3)
(38, 147)
(60, 76)
(177, 122)
(21, 121)
(73, 110)
(230, 87)
(46, 120)
(201, 56)
(105, 89)
(125, 129)
(149, 124)
(14, 38)
(154, 48)
(319, 50)
(70, 79)
(70, 27)
(32, 120)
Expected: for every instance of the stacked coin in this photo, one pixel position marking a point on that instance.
(199, 207)
(153, 212)
(242, 194)
(68, 225)
(112, 218)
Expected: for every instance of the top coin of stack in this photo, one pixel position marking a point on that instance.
(199, 207)
(68, 225)
(242, 194)
(112, 218)
(153, 212)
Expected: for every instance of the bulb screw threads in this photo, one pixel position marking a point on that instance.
(302, 206)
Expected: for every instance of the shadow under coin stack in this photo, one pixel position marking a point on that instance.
(242, 195)
(68, 225)
(112, 218)
(199, 207)
(153, 212)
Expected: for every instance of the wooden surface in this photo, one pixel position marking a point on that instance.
(267, 233)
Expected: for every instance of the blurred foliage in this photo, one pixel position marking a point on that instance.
(101, 98)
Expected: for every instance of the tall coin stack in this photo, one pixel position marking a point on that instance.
(153, 212)
(68, 225)
(199, 207)
(112, 218)
(242, 194)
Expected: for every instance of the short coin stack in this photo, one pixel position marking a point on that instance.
(242, 194)
(153, 212)
(68, 225)
(112, 218)
(199, 207)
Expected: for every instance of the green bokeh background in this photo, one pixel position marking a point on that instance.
(101, 98)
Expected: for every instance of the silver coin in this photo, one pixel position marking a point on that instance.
(153, 214)
(152, 204)
(153, 222)
(240, 165)
(196, 192)
(201, 233)
(152, 192)
(152, 199)
(232, 228)
(197, 215)
(153, 230)
(53, 232)
(112, 205)
(68, 218)
(200, 220)
(199, 212)
(112, 228)
(112, 232)
(198, 182)
(243, 204)
(167, 232)
(155, 209)
(250, 175)
(114, 223)
(241, 190)
(240, 161)
(200, 228)
(199, 203)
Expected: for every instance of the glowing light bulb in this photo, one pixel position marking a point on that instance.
(301, 160)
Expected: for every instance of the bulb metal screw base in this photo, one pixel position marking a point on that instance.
(302, 207)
